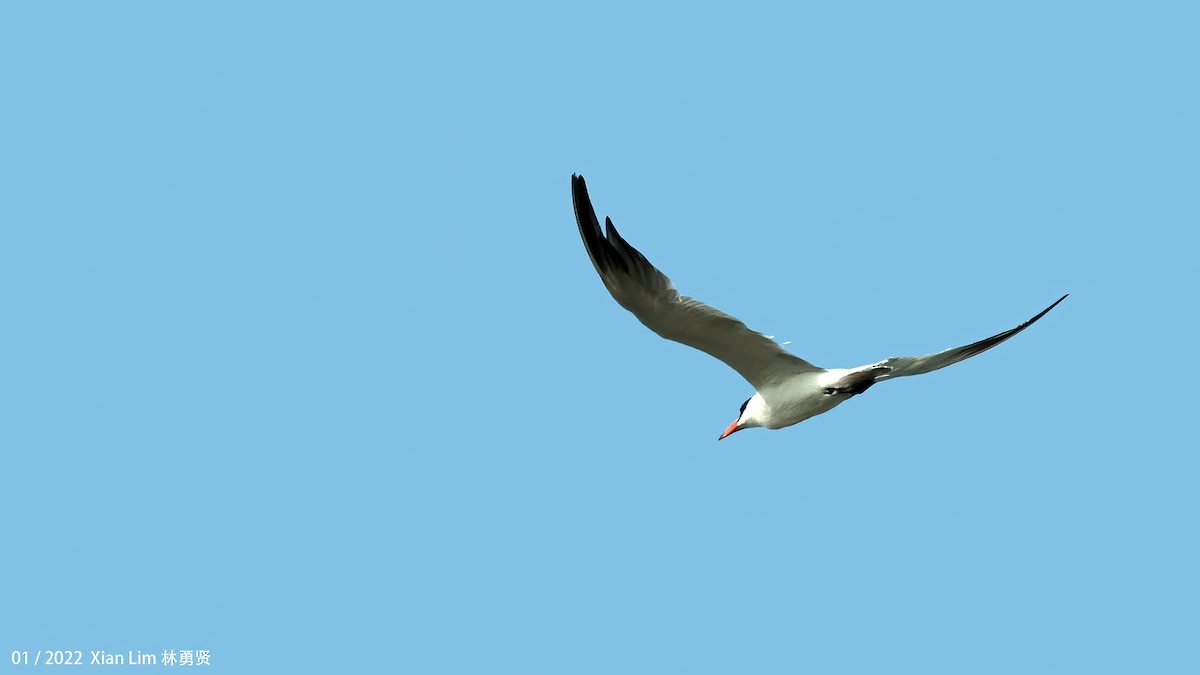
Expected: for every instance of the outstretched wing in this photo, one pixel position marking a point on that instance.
(646, 292)
(916, 365)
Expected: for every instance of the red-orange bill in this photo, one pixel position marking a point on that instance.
(732, 428)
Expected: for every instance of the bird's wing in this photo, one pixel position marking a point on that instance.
(640, 288)
(916, 365)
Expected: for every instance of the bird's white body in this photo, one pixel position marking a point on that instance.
(804, 395)
(788, 389)
(788, 403)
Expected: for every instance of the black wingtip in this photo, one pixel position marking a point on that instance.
(1044, 311)
(583, 203)
(579, 194)
(599, 250)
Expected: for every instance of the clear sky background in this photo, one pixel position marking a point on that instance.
(304, 363)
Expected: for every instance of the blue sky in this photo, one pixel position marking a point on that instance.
(305, 364)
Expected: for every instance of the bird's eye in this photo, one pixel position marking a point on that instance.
(742, 410)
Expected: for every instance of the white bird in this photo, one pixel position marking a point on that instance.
(788, 389)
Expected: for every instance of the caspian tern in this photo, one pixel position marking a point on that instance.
(788, 389)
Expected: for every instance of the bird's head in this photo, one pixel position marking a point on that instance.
(749, 416)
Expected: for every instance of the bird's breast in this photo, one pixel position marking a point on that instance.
(796, 400)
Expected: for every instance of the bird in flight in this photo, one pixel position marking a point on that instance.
(788, 389)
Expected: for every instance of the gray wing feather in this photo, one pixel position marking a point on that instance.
(916, 365)
(646, 292)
